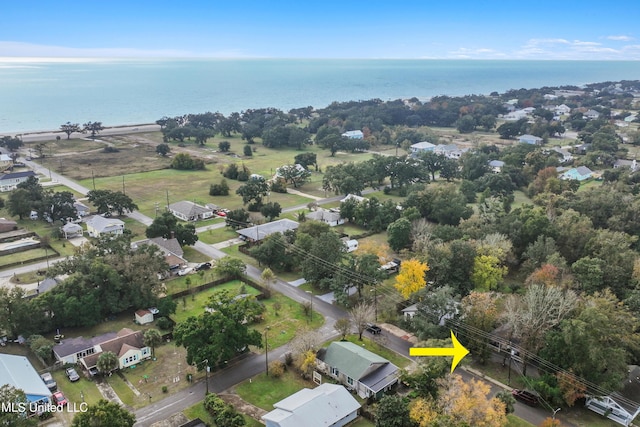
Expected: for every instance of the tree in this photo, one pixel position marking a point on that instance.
(221, 189)
(70, 128)
(294, 174)
(238, 218)
(104, 414)
(411, 277)
(19, 203)
(267, 277)
(107, 201)
(152, 338)
(224, 146)
(343, 326)
(271, 210)
(222, 334)
(480, 310)
(183, 161)
(362, 313)
(163, 149)
(466, 124)
(467, 404)
(306, 160)
(393, 411)
(41, 346)
(12, 143)
(247, 150)
(229, 266)
(399, 234)
(107, 362)
(253, 191)
(10, 395)
(531, 316)
(487, 272)
(424, 378)
(509, 401)
(166, 225)
(93, 127)
(550, 422)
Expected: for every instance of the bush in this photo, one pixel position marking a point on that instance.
(163, 323)
(288, 358)
(231, 171)
(243, 175)
(224, 146)
(221, 189)
(248, 151)
(279, 186)
(276, 369)
(165, 389)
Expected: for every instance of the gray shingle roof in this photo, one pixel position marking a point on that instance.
(261, 231)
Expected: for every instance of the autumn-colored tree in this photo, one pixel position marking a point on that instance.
(380, 250)
(467, 403)
(343, 326)
(547, 275)
(362, 314)
(572, 389)
(487, 272)
(423, 412)
(551, 422)
(411, 277)
(307, 362)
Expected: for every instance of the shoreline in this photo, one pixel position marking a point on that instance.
(45, 135)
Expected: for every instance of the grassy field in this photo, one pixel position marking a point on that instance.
(263, 391)
(217, 235)
(517, 422)
(77, 391)
(198, 411)
(380, 350)
(25, 257)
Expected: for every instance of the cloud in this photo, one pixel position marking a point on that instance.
(559, 49)
(28, 50)
(620, 38)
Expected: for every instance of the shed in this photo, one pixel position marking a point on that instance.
(144, 316)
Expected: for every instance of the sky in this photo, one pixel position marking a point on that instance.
(411, 29)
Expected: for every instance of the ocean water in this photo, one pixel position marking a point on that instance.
(42, 96)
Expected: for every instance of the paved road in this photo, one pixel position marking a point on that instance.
(119, 130)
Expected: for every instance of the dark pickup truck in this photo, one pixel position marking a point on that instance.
(374, 329)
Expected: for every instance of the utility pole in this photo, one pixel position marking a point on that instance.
(266, 349)
(123, 192)
(93, 178)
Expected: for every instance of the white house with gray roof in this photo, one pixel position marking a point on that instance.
(259, 232)
(10, 181)
(328, 217)
(328, 405)
(358, 369)
(99, 225)
(19, 373)
(190, 211)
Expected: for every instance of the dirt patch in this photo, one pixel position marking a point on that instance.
(242, 406)
(175, 420)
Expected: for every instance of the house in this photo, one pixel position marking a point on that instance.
(410, 311)
(280, 172)
(259, 232)
(99, 225)
(621, 163)
(47, 284)
(562, 109)
(368, 374)
(190, 211)
(580, 173)
(619, 406)
(530, 139)
(358, 199)
(328, 217)
(143, 316)
(328, 405)
(351, 245)
(82, 209)
(173, 253)
(70, 230)
(5, 162)
(591, 114)
(10, 181)
(421, 147)
(450, 151)
(127, 344)
(516, 115)
(7, 225)
(496, 165)
(19, 373)
(565, 155)
(353, 134)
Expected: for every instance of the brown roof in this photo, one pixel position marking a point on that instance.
(142, 312)
(126, 337)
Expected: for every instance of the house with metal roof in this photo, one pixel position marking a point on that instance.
(353, 134)
(368, 374)
(10, 181)
(19, 373)
(259, 232)
(190, 211)
(326, 216)
(530, 139)
(422, 147)
(99, 225)
(580, 173)
(328, 405)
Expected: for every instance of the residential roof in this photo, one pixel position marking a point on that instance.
(352, 360)
(413, 308)
(354, 197)
(259, 232)
(319, 407)
(166, 245)
(353, 134)
(70, 227)
(70, 346)
(18, 372)
(324, 215)
(424, 145)
(188, 208)
(125, 340)
(496, 163)
(15, 175)
(47, 284)
(102, 224)
(142, 312)
(381, 378)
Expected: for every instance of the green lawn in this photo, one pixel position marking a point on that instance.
(198, 411)
(25, 257)
(122, 389)
(517, 422)
(76, 391)
(217, 235)
(380, 350)
(263, 391)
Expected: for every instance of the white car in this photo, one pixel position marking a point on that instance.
(185, 271)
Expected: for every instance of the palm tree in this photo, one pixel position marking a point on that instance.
(107, 362)
(152, 338)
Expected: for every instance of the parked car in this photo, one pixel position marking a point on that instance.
(374, 329)
(526, 397)
(49, 381)
(59, 399)
(221, 213)
(203, 266)
(185, 271)
(153, 310)
(72, 374)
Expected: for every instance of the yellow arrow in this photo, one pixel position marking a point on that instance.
(457, 351)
